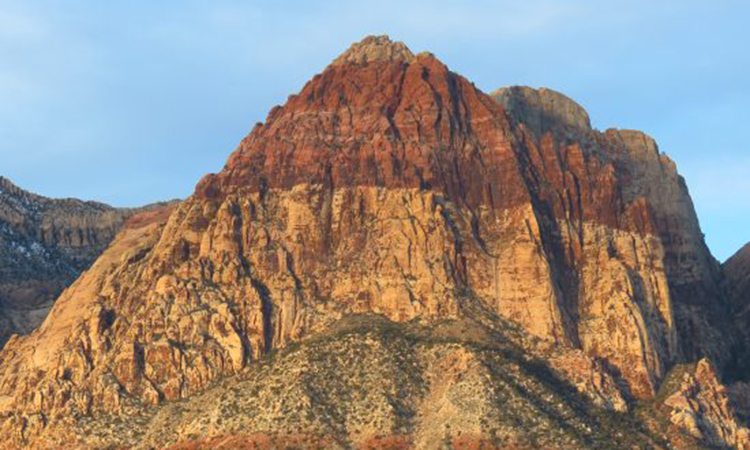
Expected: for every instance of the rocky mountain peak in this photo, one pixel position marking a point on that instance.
(5, 183)
(9, 189)
(741, 257)
(375, 48)
(737, 270)
(364, 120)
(390, 186)
(542, 109)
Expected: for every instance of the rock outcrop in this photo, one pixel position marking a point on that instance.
(45, 244)
(700, 405)
(392, 186)
(375, 49)
(542, 110)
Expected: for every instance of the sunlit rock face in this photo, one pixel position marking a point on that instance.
(391, 186)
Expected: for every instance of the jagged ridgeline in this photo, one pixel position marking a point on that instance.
(45, 244)
(395, 259)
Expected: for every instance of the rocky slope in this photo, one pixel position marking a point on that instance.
(370, 383)
(392, 186)
(45, 244)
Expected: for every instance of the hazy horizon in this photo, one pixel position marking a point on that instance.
(130, 104)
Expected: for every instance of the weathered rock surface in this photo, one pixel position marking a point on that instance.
(375, 49)
(45, 244)
(542, 110)
(737, 271)
(701, 405)
(390, 185)
(455, 385)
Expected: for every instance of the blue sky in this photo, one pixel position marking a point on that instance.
(130, 102)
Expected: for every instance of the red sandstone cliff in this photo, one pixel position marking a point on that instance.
(390, 185)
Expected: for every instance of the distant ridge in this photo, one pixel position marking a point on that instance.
(44, 245)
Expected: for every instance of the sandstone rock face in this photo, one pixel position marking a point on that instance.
(44, 245)
(701, 405)
(375, 48)
(648, 289)
(390, 185)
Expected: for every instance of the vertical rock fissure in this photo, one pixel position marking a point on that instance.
(267, 310)
(563, 276)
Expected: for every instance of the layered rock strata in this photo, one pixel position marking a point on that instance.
(701, 405)
(390, 185)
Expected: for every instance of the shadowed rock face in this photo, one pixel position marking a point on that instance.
(700, 405)
(658, 205)
(737, 281)
(542, 110)
(392, 186)
(737, 272)
(45, 244)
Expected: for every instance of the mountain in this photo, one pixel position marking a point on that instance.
(737, 281)
(737, 270)
(395, 259)
(45, 244)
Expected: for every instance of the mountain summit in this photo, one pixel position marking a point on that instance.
(375, 48)
(395, 259)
